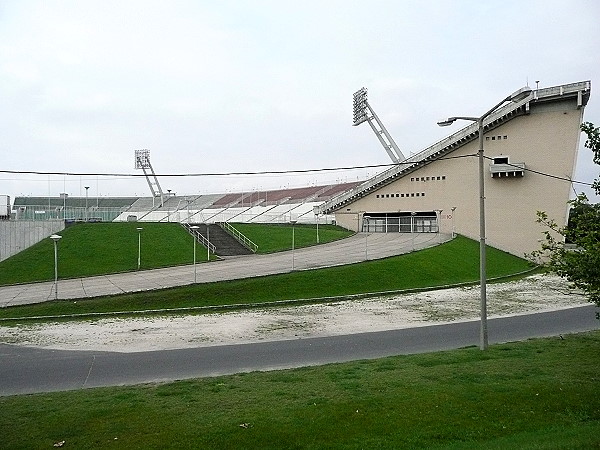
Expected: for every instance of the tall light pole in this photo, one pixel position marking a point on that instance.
(316, 211)
(453, 227)
(139, 230)
(86, 203)
(194, 228)
(412, 228)
(516, 96)
(55, 238)
(293, 222)
(207, 242)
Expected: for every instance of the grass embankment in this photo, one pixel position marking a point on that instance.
(276, 238)
(89, 249)
(101, 248)
(456, 261)
(538, 394)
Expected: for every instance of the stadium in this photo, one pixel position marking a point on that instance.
(530, 143)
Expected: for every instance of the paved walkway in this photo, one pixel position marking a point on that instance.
(346, 251)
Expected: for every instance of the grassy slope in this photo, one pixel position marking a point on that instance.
(275, 238)
(453, 262)
(99, 248)
(538, 394)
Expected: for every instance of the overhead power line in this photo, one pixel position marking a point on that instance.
(273, 172)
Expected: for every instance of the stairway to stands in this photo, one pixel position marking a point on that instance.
(225, 244)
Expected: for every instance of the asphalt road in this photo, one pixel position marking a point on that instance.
(29, 370)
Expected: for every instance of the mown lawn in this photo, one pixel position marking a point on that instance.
(453, 262)
(89, 249)
(538, 394)
(275, 238)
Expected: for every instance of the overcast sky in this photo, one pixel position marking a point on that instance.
(242, 86)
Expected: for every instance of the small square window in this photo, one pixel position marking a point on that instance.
(387, 195)
(401, 195)
(504, 137)
(422, 194)
(377, 195)
(412, 179)
(493, 138)
(443, 177)
(438, 178)
(426, 178)
(412, 194)
(422, 178)
(487, 138)
(417, 194)
(499, 138)
(397, 195)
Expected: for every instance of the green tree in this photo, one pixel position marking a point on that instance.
(573, 252)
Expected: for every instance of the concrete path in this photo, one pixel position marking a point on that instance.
(357, 248)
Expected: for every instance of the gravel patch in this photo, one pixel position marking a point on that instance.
(531, 294)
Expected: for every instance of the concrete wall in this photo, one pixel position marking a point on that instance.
(18, 235)
(546, 140)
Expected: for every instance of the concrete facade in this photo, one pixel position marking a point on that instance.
(543, 133)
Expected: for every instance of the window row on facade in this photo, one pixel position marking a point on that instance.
(397, 195)
(442, 177)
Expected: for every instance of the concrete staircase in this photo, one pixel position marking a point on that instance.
(225, 244)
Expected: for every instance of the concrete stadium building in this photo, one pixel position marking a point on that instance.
(530, 149)
(530, 146)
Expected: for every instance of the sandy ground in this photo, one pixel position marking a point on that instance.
(535, 293)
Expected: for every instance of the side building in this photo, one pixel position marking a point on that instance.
(530, 149)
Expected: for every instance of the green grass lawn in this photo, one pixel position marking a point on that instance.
(89, 249)
(453, 262)
(98, 248)
(275, 238)
(538, 394)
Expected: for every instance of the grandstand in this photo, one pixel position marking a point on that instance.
(269, 206)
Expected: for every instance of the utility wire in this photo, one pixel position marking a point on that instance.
(277, 172)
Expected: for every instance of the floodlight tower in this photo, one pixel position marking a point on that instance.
(142, 161)
(364, 113)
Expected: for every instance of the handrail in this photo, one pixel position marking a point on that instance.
(199, 237)
(239, 236)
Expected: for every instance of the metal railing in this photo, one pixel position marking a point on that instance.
(239, 236)
(200, 237)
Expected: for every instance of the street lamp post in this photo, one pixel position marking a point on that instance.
(516, 96)
(453, 209)
(194, 228)
(55, 238)
(293, 222)
(207, 242)
(412, 228)
(86, 203)
(139, 230)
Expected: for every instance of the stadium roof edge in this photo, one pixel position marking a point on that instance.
(581, 90)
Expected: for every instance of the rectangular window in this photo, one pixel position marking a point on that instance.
(426, 178)
(505, 137)
(487, 138)
(401, 195)
(412, 194)
(501, 160)
(412, 179)
(422, 194)
(438, 178)
(443, 177)
(417, 194)
(493, 138)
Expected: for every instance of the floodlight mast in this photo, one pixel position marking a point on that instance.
(364, 113)
(142, 161)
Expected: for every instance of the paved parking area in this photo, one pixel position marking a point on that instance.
(357, 248)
